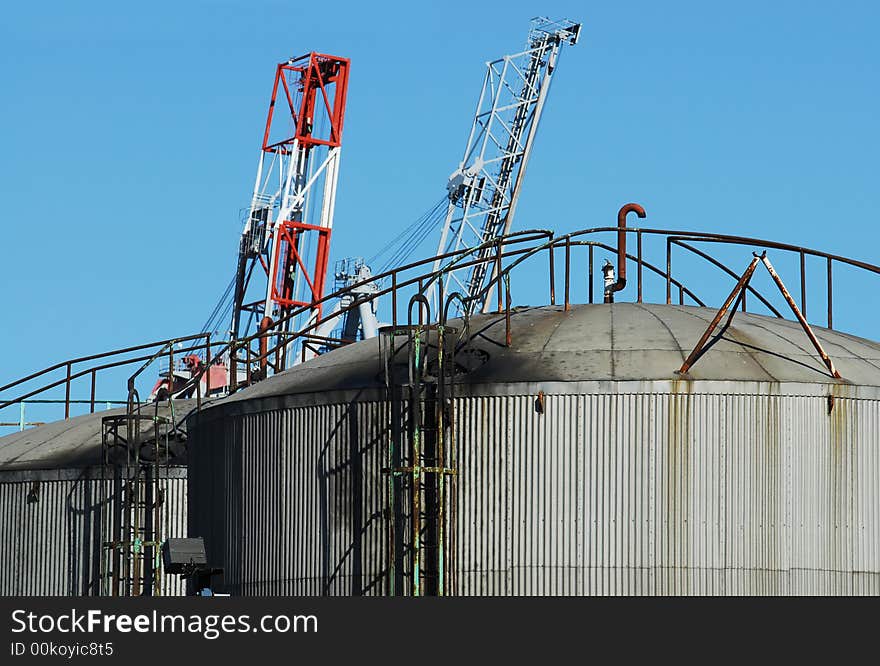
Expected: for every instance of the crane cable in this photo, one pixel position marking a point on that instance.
(396, 251)
(411, 237)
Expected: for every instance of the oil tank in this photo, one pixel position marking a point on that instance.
(583, 463)
(65, 495)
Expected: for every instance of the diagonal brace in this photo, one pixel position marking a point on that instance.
(737, 293)
(800, 317)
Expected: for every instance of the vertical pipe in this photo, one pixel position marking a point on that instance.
(552, 276)
(21, 418)
(830, 297)
(668, 272)
(625, 210)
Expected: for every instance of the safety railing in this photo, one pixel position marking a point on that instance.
(566, 257)
(65, 376)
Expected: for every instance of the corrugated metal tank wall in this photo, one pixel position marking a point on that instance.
(290, 503)
(50, 530)
(645, 492)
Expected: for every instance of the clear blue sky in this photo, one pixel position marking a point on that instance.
(129, 135)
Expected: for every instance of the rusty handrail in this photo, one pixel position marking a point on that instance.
(70, 376)
(513, 250)
(726, 269)
(92, 357)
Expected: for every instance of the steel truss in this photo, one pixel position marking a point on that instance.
(484, 189)
(286, 238)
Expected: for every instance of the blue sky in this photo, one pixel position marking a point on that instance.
(129, 137)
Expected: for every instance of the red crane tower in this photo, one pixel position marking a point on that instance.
(286, 237)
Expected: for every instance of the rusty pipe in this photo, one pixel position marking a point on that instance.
(265, 325)
(625, 210)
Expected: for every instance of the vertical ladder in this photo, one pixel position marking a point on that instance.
(419, 367)
(131, 522)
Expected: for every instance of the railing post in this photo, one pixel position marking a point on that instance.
(498, 280)
(208, 363)
(21, 420)
(92, 399)
(803, 287)
(394, 299)
(639, 262)
(507, 337)
(830, 297)
(668, 272)
(590, 275)
(249, 361)
(552, 277)
(170, 372)
(232, 383)
(568, 273)
(67, 394)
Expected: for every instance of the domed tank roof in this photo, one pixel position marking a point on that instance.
(606, 342)
(76, 442)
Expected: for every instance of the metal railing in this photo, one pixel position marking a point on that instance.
(502, 257)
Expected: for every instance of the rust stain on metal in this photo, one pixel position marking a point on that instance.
(678, 442)
(838, 480)
(539, 402)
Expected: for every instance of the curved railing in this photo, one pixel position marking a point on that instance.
(503, 258)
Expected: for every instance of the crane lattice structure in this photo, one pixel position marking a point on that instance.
(483, 190)
(286, 236)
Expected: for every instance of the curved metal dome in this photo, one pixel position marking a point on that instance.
(76, 442)
(605, 342)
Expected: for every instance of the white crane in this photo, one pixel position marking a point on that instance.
(484, 189)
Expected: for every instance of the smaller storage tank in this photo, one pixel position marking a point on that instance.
(64, 494)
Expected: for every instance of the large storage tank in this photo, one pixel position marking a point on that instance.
(60, 504)
(585, 463)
